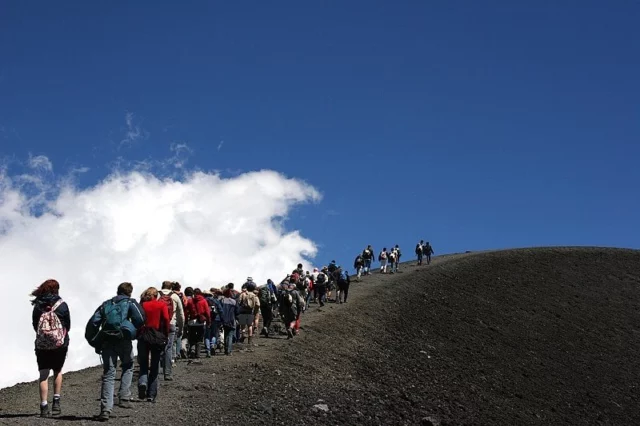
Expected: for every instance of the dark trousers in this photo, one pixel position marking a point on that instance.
(267, 315)
(344, 290)
(196, 336)
(322, 294)
(149, 369)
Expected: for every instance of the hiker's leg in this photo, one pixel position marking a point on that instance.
(168, 352)
(154, 369)
(207, 337)
(346, 292)
(57, 382)
(109, 360)
(126, 363)
(43, 384)
(143, 362)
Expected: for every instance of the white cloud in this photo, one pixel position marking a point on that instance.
(40, 162)
(133, 131)
(220, 145)
(202, 230)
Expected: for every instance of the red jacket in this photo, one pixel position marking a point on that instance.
(157, 316)
(199, 310)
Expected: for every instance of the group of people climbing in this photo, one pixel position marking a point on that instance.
(170, 325)
(389, 259)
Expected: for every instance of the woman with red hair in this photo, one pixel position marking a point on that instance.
(51, 322)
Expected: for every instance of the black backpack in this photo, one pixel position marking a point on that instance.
(321, 280)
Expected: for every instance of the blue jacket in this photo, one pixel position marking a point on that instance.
(230, 312)
(133, 321)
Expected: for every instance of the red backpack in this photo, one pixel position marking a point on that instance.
(166, 298)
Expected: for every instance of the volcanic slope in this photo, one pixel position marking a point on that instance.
(531, 336)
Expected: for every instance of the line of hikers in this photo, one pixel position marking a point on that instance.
(389, 258)
(170, 325)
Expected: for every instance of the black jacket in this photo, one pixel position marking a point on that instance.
(44, 304)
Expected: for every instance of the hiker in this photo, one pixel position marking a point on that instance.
(211, 332)
(398, 256)
(249, 307)
(358, 265)
(343, 284)
(290, 309)
(217, 330)
(51, 322)
(321, 285)
(419, 251)
(428, 251)
(302, 285)
(393, 260)
(199, 318)
(188, 306)
(335, 276)
(300, 270)
(111, 331)
(383, 258)
(310, 290)
(176, 313)
(267, 298)
(331, 284)
(314, 278)
(229, 315)
(152, 340)
(367, 255)
(177, 345)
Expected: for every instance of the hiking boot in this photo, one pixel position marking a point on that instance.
(45, 411)
(208, 355)
(151, 400)
(168, 378)
(264, 331)
(125, 403)
(104, 416)
(55, 407)
(142, 392)
(289, 333)
(250, 340)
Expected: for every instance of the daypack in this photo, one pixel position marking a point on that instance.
(366, 254)
(321, 280)
(50, 333)
(418, 249)
(287, 299)
(247, 303)
(264, 295)
(383, 255)
(166, 298)
(294, 278)
(302, 285)
(215, 310)
(392, 257)
(113, 316)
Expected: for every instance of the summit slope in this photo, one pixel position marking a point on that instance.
(528, 336)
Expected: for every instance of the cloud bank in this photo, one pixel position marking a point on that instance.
(202, 230)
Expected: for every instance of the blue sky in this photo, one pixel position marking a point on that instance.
(476, 125)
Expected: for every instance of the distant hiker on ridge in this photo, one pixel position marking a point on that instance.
(367, 255)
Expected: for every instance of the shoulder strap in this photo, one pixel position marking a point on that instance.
(57, 305)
